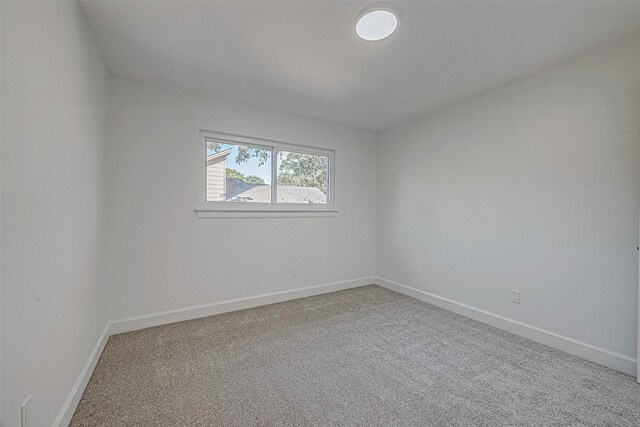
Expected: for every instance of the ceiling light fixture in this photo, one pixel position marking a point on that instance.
(376, 25)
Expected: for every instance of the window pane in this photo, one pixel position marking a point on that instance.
(302, 178)
(238, 173)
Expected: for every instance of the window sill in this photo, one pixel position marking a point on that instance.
(209, 213)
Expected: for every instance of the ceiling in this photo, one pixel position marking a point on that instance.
(304, 57)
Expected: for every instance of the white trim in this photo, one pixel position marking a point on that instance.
(275, 146)
(218, 157)
(619, 362)
(611, 359)
(255, 141)
(171, 316)
(71, 403)
(262, 207)
(198, 311)
(204, 213)
(638, 319)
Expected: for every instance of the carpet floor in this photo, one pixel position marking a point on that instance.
(361, 357)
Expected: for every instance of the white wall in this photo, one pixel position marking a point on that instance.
(161, 257)
(533, 186)
(54, 305)
(0, 218)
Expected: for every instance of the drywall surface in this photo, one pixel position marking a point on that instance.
(54, 107)
(162, 257)
(533, 186)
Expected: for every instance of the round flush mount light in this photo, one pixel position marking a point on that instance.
(376, 25)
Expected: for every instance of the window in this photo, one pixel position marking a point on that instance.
(302, 178)
(238, 173)
(245, 174)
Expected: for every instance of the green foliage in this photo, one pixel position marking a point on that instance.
(251, 179)
(304, 170)
(244, 153)
(232, 173)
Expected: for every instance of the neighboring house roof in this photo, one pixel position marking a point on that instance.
(217, 157)
(295, 194)
(238, 190)
(236, 186)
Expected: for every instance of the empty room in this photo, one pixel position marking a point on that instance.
(319, 213)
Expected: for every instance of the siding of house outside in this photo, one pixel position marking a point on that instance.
(220, 188)
(216, 174)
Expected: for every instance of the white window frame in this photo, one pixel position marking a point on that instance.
(226, 209)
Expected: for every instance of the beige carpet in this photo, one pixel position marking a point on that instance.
(361, 357)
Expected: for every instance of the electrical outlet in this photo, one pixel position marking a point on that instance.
(515, 296)
(294, 270)
(24, 412)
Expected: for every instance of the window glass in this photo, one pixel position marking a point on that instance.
(302, 178)
(238, 173)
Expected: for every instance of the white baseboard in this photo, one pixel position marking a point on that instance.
(69, 407)
(617, 361)
(195, 312)
(593, 353)
(171, 316)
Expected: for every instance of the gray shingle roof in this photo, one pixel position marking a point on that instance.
(238, 190)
